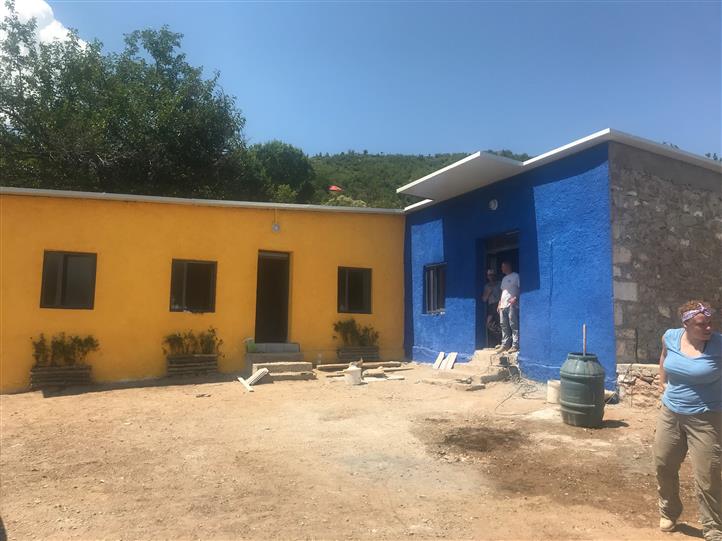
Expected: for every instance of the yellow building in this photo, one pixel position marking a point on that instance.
(102, 264)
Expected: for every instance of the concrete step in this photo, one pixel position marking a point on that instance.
(289, 376)
(335, 367)
(483, 356)
(274, 357)
(277, 367)
(278, 347)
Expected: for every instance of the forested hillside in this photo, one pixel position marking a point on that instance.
(374, 178)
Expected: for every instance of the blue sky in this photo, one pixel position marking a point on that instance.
(446, 77)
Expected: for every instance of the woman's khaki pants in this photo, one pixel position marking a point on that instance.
(702, 435)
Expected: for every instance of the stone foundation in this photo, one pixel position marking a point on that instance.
(639, 385)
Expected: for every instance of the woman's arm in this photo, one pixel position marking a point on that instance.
(662, 373)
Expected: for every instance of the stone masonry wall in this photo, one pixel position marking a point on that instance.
(667, 245)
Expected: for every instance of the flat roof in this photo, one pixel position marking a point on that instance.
(68, 194)
(483, 168)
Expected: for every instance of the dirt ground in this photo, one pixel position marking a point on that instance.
(323, 460)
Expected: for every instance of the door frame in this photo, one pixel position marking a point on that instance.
(274, 254)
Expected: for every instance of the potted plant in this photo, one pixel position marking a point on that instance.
(188, 353)
(61, 361)
(357, 342)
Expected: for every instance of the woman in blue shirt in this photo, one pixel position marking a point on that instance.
(691, 418)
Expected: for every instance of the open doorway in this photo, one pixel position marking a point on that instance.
(272, 297)
(491, 253)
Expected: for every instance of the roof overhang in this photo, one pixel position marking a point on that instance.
(482, 168)
(463, 176)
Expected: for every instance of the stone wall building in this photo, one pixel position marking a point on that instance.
(667, 245)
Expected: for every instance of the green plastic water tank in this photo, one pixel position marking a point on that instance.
(582, 390)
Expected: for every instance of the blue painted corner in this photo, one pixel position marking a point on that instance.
(562, 214)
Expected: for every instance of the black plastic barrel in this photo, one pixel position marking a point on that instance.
(582, 390)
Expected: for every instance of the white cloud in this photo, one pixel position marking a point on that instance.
(49, 28)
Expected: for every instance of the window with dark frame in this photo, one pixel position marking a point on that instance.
(354, 290)
(68, 280)
(193, 286)
(435, 288)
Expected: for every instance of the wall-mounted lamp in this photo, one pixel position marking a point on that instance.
(275, 226)
(493, 204)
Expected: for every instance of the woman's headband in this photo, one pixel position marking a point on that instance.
(701, 309)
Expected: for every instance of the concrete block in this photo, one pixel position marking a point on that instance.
(283, 367)
(280, 347)
(272, 357)
(625, 291)
(291, 376)
(257, 376)
(621, 255)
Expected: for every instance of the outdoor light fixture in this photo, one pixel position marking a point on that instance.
(276, 227)
(493, 204)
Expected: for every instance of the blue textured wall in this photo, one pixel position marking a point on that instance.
(562, 213)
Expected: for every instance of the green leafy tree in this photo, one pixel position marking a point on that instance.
(141, 121)
(287, 170)
(283, 193)
(340, 200)
(506, 153)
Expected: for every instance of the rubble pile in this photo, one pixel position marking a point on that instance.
(639, 384)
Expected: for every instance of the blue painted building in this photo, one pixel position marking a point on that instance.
(552, 218)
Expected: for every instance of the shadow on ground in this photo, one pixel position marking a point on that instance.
(161, 382)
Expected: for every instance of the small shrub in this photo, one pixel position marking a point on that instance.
(209, 341)
(353, 335)
(41, 351)
(173, 344)
(63, 350)
(368, 336)
(188, 343)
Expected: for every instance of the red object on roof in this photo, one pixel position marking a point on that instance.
(334, 188)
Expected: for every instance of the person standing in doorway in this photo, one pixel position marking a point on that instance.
(491, 296)
(509, 309)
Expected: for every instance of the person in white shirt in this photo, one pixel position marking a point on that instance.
(509, 310)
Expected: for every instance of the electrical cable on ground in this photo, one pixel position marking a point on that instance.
(526, 386)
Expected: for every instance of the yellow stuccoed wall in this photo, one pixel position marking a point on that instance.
(135, 243)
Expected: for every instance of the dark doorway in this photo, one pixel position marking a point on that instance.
(272, 297)
(491, 253)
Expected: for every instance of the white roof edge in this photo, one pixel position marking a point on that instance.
(594, 138)
(665, 150)
(439, 171)
(617, 136)
(418, 205)
(69, 194)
